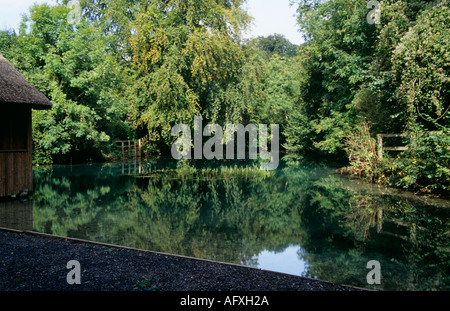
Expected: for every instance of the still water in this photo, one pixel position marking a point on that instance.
(304, 220)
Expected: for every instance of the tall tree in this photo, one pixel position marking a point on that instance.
(275, 44)
(188, 61)
(68, 63)
(335, 61)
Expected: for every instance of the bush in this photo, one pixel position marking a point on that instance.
(361, 149)
(425, 166)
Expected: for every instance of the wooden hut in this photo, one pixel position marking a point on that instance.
(17, 98)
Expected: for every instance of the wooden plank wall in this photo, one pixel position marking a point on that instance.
(16, 169)
(15, 173)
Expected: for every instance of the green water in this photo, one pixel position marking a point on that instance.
(304, 220)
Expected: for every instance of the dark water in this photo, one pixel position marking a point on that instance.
(303, 220)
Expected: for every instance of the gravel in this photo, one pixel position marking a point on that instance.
(30, 262)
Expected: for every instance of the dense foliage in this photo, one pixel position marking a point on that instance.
(361, 79)
(131, 68)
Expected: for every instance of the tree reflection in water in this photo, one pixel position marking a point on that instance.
(235, 214)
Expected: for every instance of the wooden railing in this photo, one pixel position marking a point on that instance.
(381, 148)
(132, 147)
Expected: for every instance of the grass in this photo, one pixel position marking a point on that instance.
(189, 172)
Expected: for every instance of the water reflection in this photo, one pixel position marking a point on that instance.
(286, 261)
(306, 221)
(16, 214)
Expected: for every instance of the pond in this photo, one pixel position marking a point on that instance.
(305, 220)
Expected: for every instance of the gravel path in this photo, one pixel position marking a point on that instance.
(31, 262)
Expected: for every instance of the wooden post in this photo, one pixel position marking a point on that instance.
(379, 220)
(140, 147)
(380, 146)
(132, 148)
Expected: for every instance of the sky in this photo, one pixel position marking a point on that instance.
(273, 16)
(270, 16)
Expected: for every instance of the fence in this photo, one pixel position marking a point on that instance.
(132, 148)
(381, 148)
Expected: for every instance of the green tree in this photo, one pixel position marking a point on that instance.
(421, 70)
(188, 62)
(69, 65)
(275, 44)
(378, 102)
(421, 67)
(334, 63)
(281, 91)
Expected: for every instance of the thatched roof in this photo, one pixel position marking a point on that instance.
(14, 89)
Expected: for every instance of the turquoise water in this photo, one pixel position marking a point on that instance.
(303, 220)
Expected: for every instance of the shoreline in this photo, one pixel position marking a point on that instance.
(31, 261)
(338, 169)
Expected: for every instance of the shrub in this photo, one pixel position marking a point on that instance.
(361, 149)
(425, 166)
